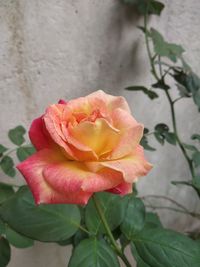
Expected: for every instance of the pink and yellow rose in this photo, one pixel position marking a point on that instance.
(85, 145)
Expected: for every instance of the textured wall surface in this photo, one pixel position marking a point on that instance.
(51, 49)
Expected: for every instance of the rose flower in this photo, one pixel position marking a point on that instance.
(85, 145)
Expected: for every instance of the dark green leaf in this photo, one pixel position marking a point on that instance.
(93, 253)
(145, 144)
(139, 260)
(196, 183)
(195, 137)
(4, 252)
(7, 165)
(134, 219)
(2, 149)
(24, 152)
(158, 247)
(153, 219)
(2, 227)
(161, 128)
(16, 135)
(170, 137)
(151, 94)
(113, 207)
(5, 192)
(196, 158)
(78, 237)
(44, 222)
(165, 49)
(161, 85)
(18, 240)
(146, 130)
(66, 242)
(160, 138)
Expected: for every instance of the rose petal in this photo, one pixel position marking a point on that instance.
(99, 136)
(33, 168)
(38, 134)
(130, 134)
(122, 189)
(131, 166)
(101, 100)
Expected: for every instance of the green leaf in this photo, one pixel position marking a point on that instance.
(159, 137)
(16, 135)
(134, 219)
(151, 7)
(17, 240)
(153, 219)
(190, 147)
(93, 253)
(7, 166)
(24, 152)
(158, 247)
(195, 137)
(2, 149)
(151, 94)
(188, 183)
(196, 182)
(161, 85)
(4, 252)
(139, 260)
(170, 137)
(2, 227)
(6, 191)
(161, 128)
(50, 223)
(165, 49)
(196, 158)
(113, 207)
(145, 144)
(78, 237)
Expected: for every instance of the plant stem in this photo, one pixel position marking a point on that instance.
(154, 72)
(108, 231)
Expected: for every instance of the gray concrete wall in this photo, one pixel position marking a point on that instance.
(52, 49)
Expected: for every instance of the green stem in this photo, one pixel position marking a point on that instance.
(168, 97)
(108, 231)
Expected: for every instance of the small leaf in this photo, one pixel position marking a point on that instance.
(50, 223)
(151, 94)
(94, 253)
(146, 131)
(16, 135)
(134, 219)
(7, 165)
(170, 138)
(190, 147)
(24, 152)
(2, 149)
(18, 240)
(145, 144)
(196, 158)
(160, 138)
(6, 191)
(161, 128)
(161, 85)
(4, 252)
(165, 49)
(195, 137)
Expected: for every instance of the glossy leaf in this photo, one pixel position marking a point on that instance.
(4, 252)
(16, 135)
(113, 207)
(134, 219)
(93, 253)
(44, 222)
(17, 240)
(24, 152)
(6, 191)
(7, 166)
(158, 247)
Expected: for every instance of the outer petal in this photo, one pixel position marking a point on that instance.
(122, 189)
(131, 167)
(100, 99)
(33, 168)
(38, 134)
(130, 131)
